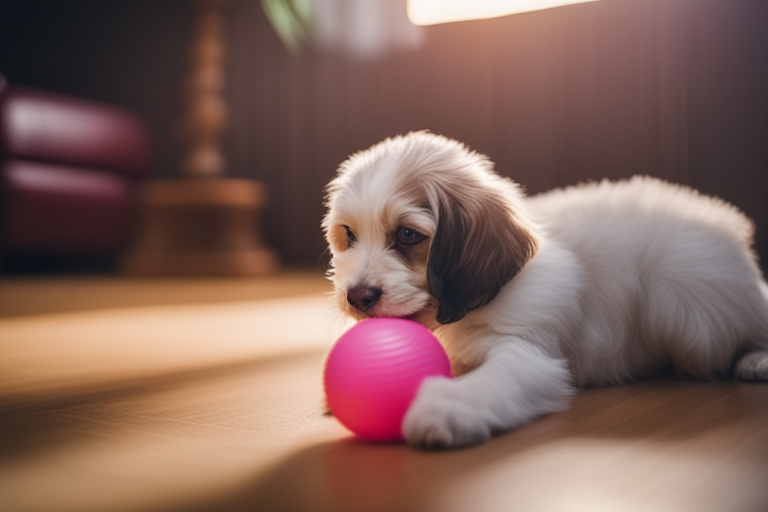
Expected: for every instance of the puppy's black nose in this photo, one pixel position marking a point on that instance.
(363, 297)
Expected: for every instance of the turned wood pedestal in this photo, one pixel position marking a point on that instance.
(201, 227)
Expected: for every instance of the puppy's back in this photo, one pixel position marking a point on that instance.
(642, 218)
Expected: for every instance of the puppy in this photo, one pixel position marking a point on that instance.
(535, 297)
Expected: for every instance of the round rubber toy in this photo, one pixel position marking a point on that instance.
(374, 370)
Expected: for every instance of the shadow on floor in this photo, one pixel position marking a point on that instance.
(351, 475)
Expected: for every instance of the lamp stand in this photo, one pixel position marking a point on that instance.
(202, 224)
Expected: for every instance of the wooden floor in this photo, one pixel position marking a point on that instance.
(205, 395)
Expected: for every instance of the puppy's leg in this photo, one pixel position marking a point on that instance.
(516, 383)
(753, 366)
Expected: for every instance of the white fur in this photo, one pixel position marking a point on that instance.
(627, 278)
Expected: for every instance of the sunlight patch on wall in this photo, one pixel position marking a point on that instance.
(432, 12)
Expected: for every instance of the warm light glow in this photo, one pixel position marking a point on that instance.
(432, 12)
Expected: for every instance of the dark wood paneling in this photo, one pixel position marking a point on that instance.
(554, 98)
(727, 114)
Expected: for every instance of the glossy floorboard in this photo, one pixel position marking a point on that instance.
(226, 414)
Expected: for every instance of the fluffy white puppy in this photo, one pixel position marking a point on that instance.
(535, 297)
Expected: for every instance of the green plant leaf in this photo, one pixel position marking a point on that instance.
(291, 20)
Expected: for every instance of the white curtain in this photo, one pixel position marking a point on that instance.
(364, 29)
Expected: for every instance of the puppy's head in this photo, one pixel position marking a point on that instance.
(421, 227)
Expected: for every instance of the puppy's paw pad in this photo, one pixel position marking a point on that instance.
(438, 419)
(753, 366)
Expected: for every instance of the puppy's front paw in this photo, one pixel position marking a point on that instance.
(440, 418)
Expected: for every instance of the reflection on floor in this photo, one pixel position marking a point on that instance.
(206, 396)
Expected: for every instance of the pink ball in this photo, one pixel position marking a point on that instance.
(374, 371)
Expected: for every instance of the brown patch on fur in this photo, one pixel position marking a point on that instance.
(477, 249)
(414, 256)
(337, 238)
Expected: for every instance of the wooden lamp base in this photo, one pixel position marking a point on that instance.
(201, 226)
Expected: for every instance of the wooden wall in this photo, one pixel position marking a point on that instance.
(671, 88)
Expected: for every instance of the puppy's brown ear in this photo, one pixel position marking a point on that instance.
(478, 247)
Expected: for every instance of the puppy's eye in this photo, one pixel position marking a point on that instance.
(351, 237)
(409, 237)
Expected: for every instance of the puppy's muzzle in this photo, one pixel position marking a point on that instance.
(363, 298)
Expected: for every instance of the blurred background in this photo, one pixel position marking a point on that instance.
(604, 89)
(180, 394)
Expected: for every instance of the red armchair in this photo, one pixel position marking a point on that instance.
(68, 171)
